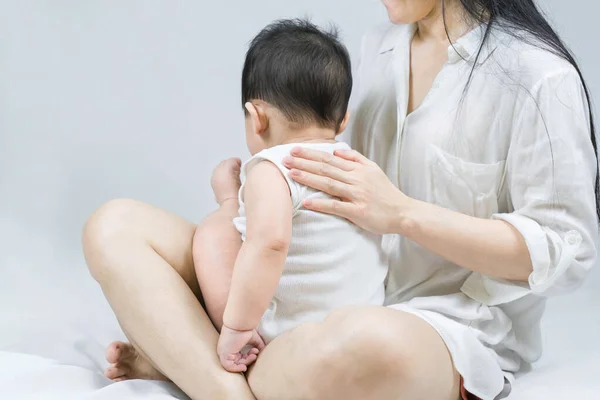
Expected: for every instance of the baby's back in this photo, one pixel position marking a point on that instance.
(331, 262)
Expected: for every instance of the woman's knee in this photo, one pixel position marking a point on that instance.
(109, 219)
(113, 222)
(378, 351)
(366, 336)
(356, 353)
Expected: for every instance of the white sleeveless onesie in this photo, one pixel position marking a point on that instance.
(331, 262)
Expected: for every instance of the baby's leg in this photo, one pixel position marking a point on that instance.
(216, 246)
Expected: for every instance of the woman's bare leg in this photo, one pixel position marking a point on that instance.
(357, 353)
(142, 258)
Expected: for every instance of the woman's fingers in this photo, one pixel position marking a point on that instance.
(317, 168)
(322, 157)
(332, 206)
(324, 184)
(352, 155)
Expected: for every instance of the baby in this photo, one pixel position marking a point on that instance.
(295, 265)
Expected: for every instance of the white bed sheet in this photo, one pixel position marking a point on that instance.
(52, 344)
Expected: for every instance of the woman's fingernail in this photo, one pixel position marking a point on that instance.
(295, 172)
(288, 160)
(307, 203)
(295, 151)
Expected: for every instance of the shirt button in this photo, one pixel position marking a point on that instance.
(573, 238)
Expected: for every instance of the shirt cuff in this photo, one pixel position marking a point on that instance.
(550, 254)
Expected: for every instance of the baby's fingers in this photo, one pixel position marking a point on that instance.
(233, 363)
(235, 367)
(233, 357)
(248, 359)
(257, 341)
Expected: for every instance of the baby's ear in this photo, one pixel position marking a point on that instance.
(344, 123)
(258, 117)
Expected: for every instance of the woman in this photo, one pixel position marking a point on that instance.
(483, 178)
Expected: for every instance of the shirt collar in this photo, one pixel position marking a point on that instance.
(465, 48)
(468, 46)
(395, 36)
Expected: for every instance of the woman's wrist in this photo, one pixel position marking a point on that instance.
(406, 218)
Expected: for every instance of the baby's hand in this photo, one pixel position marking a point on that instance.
(225, 180)
(232, 343)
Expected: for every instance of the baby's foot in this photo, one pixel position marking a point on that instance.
(225, 180)
(127, 363)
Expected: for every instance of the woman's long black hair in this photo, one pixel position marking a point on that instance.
(523, 16)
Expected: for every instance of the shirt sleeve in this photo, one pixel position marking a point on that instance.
(550, 176)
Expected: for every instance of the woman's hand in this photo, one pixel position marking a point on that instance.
(365, 195)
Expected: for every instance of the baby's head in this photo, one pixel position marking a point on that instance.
(296, 85)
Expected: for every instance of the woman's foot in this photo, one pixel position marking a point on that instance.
(128, 363)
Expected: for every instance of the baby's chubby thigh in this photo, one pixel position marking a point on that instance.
(215, 247)
(356, 353)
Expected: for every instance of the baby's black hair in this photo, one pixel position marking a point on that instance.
(303, 71)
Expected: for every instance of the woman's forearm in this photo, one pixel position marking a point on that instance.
(491, 247)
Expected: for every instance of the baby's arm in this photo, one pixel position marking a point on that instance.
(260, 262)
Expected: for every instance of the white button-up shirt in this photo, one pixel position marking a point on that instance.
(514, 146)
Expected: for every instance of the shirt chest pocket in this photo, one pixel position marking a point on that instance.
(467, 187)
